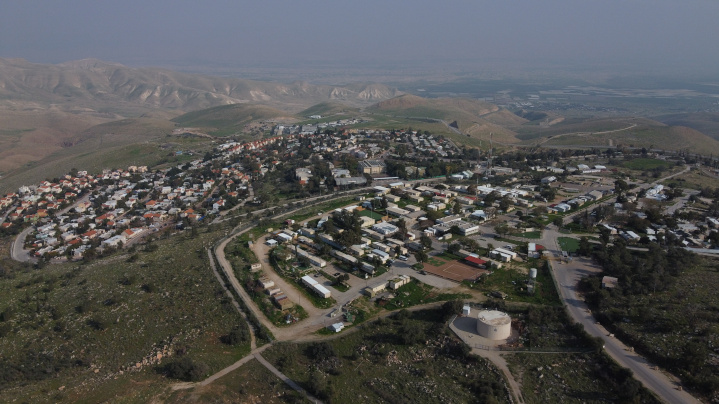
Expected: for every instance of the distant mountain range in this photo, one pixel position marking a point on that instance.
(92, 83)
(93, 114)
(46, 108)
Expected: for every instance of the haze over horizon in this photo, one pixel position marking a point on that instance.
(636, 36)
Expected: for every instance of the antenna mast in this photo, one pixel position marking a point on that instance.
(491, 148)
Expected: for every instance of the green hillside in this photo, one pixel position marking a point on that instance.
(228, 119)
(329, 108)
(459, 109)
(705, 122)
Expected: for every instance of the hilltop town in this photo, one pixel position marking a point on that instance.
(384, 215)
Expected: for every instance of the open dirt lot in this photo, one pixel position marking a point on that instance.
(455, 271)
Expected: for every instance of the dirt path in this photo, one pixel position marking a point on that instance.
(253, 340)
(285, 379)
(230, 275)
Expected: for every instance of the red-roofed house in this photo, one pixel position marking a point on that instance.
(474, 261)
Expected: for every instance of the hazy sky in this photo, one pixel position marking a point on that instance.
(646, 34)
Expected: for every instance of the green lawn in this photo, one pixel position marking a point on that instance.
(531, 234)
(371, 214)
(501, 280)
(436, 261)
(568, 244)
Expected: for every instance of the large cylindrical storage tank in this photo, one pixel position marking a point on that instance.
(493, 324)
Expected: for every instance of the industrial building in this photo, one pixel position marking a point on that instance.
(372, 167)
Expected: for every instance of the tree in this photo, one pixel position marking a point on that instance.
(585, 247)
(455, 230)
(457, 208)
(236, 336)
(451, 308)
(402, 226)
(421, 256)
(501, 228)
(426, 241)
(185, 369)
(504, 204)
(620, 187)
(454, 248)
(558, 221)
(472, 189)
(320, 351)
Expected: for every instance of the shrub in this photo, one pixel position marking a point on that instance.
(148, 288)
(185, 369)
(127, 280)
(320, 351)
(236, 336)
(96, 324)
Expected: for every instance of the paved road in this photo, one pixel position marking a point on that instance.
(9, 209)
(17, 252)
(567, 275)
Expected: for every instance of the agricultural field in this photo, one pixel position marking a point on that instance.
(410, 357)
(110, 328)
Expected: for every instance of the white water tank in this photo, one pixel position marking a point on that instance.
(493, 324)
(533, 273)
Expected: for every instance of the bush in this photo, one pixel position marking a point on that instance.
(185, 369)
(96, 324)
(84, 307)
(320, 351)
(236, 336)
(451, 308)
(127, 280)
(148, 288)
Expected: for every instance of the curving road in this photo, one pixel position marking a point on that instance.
(567, 275)
(17, 252)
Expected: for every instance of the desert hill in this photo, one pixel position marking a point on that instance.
(45, 108)
(92, 82)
